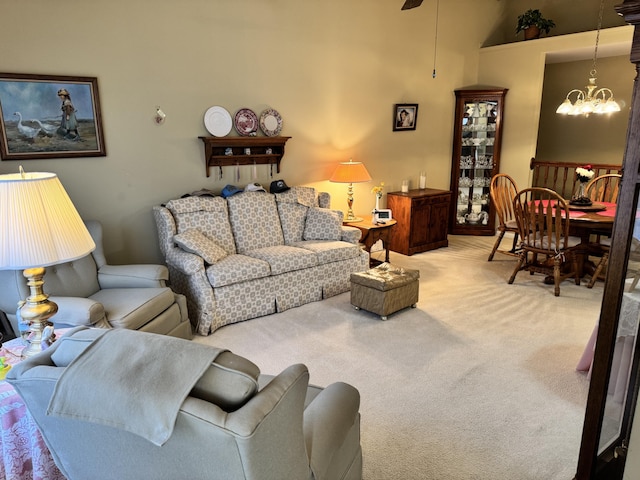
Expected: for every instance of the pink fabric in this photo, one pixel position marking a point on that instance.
(623, 350)
(610, 211)
(24, 453)
(584, 364)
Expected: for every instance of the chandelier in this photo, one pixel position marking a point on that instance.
(596, 99)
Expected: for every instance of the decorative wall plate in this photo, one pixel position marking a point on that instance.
(270, 122)
(246, 122)
(217, 121)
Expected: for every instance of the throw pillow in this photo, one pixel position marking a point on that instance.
(229, 382)
(323, 224)
(292, 219)
(193, 240)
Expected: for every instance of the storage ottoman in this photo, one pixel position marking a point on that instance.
(384, 289)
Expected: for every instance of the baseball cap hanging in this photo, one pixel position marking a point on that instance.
(230, 190)
(254, 187)
(278, 186)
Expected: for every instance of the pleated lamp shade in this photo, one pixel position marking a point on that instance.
(350, 172)
(39, 225)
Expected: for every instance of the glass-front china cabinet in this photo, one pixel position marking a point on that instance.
(476, 158)
(613, 388)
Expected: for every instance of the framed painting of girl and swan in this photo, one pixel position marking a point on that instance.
(49, 116)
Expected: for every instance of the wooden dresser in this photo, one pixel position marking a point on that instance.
(423, 218)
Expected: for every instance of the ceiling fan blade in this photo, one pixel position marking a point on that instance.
(411, 4)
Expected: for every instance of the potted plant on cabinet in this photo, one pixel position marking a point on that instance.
(532, 23)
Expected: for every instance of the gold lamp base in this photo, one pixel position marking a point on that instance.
(351, 218)
(36, 311)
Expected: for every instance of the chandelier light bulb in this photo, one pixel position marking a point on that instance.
(611, 106)
(565, 107)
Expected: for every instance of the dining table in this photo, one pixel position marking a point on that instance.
(586, 222)
(596, 218)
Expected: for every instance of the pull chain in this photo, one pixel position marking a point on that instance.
(595, 52)
(435, 42)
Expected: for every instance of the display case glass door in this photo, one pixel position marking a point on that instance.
(476, 147)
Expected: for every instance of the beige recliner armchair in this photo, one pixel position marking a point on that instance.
(88, 291)
(234, 423)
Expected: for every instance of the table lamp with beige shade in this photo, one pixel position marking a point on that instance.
(39, 227)
(350, 172)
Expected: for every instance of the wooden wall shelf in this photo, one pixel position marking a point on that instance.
(215, 147)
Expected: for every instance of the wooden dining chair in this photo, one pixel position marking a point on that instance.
(502, 191)
(602, 189)
(543, 221)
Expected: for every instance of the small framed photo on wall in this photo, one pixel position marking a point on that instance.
(405, 116)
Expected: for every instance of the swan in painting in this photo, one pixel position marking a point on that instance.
(28, 132)
(46, 127)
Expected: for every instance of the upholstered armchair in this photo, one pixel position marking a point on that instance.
(88, 291)
(198, 412)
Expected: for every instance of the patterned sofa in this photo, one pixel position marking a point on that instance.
(255, 253)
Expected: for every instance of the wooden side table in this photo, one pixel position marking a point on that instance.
(371, 233)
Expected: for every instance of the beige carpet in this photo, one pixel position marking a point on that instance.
(478, 382)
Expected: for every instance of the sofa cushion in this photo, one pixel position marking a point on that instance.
(70, 279)
(133, 307)
(330, 251)
(324, 200)
(73, 343)
(229, 382)
(302, 195)
(237, 269)
(254, 221)
(284, 258)
(323, 224)
(292, 219)
(193, 240)
(207, 214)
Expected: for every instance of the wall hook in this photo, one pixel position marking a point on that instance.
(159, 116)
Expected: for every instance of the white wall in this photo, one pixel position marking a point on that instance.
(333, 69)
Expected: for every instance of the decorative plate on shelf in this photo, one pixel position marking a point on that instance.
(246, 122)
(217, 121)
(270, 122)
